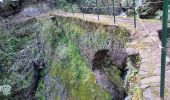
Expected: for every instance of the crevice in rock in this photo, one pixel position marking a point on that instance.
(37, 69)
(115, 66)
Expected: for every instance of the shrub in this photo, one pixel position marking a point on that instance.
(5, 89)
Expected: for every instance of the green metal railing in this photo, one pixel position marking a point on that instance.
(164, 43)
(134, 6)
(114, 18)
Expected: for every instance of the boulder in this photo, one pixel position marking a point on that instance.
(131, 52)
(148, 10)
(10, 8)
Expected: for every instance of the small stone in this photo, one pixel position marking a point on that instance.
(144, 86)
(154, 79)
(147, 95)
(157, 71)
(168, 61)
(142, 74)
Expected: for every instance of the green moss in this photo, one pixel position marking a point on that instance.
(122, 35)
(72, 70)
(9, 45)
(64, 39)
(78, 79)
(137, 93)
(114, 74)
(76, 28)
(68, 64)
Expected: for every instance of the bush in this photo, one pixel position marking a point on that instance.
(159, 14)
(5, 89)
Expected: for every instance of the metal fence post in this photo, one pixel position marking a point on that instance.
(82, 6)
(114, 18)
(72, 9)
(65, 10)
(127, 5)
(134, 5)
(164, 43)
(97, 9)
(58, 6)
(91, 6)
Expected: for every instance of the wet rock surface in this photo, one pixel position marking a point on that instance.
(54, 89)
(35, 10)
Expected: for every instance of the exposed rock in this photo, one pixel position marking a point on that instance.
(148, 95)
(102, 10)
(131, 52)
(54, 89)
(116, 92)
(10, 8)
(105, 8)
(117, 54)
(13, 7)
(153, 79)
(143, 74)
(118, 59)
(99, 58)
(34, 10)
(148, 10)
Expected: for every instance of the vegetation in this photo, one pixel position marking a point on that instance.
(72, 70)
(65, 47)
(10, 47)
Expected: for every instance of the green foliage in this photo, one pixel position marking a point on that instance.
(143, 11)
(61, 41)
(5, 90)
(67, 5)
(114, 75)
(71, 68)
(5, 48)
(9, 45)
(41, 86)
(159, 14)
(77, 78)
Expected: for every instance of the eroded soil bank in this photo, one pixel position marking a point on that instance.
(76, 58)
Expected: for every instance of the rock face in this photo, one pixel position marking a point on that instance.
(106, 73)
(148, 10)
(102, 7)
(33, 10)
(69, 59)
(10, 8)
(101, 10)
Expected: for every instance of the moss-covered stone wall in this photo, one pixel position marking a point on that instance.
(75, 45)
(69, 45)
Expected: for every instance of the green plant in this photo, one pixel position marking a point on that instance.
(159, 14)
(5, 89)
(71, 68)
